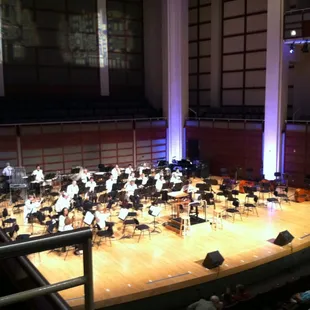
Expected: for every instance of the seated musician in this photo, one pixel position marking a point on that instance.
(32, 205)
(175, 177)
(109, 183)
(159, 183)
(85, 176)
(132, 177)
(130, 188)
(65, 221)
(129, 170)
(116, 172)
(102, 216)
(62, 202)
(91, 193)
(110, 202)
(87, 204)
(189, 188)
(143, 167)
(73, 190)
(144, 179)
(159, 174)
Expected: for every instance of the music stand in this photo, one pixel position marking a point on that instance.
(123, 213)
(155, 211)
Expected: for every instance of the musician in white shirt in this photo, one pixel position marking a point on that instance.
(31, 207)
(109, 184)
(116, 171)
(143, 167)
(73, 190)
(175, 177)
(91, 193)
(38, 173)
(159, 174)
(7, 171)
(159, 184)
(85, 176)
(130, 188)
(65, 223)
(129, 169)
(143, 178)
(102, 216)
(132, 177)
(62, 202)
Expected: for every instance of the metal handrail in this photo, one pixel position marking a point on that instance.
(149, 119)
(47, 242)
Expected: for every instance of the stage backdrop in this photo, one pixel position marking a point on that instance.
(228, 144)
(59, 147)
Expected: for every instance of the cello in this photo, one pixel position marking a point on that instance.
(302, 195)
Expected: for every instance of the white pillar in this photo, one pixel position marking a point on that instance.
(276, 89)
(1, 55)
(175, 73)
(216, 53)
(103, 47)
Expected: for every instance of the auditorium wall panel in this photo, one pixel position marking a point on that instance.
(228, 145)
(297, 152)
(8, 146)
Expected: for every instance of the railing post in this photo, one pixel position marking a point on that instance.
(88, 273)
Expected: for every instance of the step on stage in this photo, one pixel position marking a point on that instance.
(127, 270)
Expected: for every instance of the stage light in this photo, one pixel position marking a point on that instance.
(305, 48)
(293, 33)
(292, 48)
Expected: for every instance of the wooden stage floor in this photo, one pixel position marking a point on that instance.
(129, 270)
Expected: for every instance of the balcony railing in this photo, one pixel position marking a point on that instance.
(43, 243)
(297, 26)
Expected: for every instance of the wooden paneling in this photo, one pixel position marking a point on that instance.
(297, 152)
(229, 145)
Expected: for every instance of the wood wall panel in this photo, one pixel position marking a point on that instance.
(230, 148)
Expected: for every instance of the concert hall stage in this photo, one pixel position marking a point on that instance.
(128, 270)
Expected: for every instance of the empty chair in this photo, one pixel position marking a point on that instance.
(282, 196)
(248, 206)
(274, 201)
(234, 210)
(141, 228)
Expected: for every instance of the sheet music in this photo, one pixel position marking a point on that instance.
(123, 214)
(155, 210)
(89, 217)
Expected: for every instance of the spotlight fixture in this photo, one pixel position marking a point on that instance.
(292, 48)
(305, 48)
(293, 33)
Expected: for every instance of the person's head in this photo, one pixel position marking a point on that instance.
(177, 170)
(65, 211)
(130, 166)
(85, 171)
(91, 179)
(31, 197)
(215, 300)
(38, 167)
(132, 182)
(100, 207)
(73, 183)
(116, 166)
(161, 177)
(111, 177)
(109, 197)
(8, 164)
(132, 174)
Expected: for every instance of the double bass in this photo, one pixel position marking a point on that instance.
(302, 195)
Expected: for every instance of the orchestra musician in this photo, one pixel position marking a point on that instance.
(38, 179)
(7, 171)
(62, 202)
(65, 222)
(85, 176)
(132, 177)
(73, 190)
(116, 172)
(130, 188)
(144, 179)
(129, 170)
(143, 167)
(109, 183)
(102, 216)
(91, 193)
(159, 183)
(176, 177)
(31, 207)
(159, 174)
